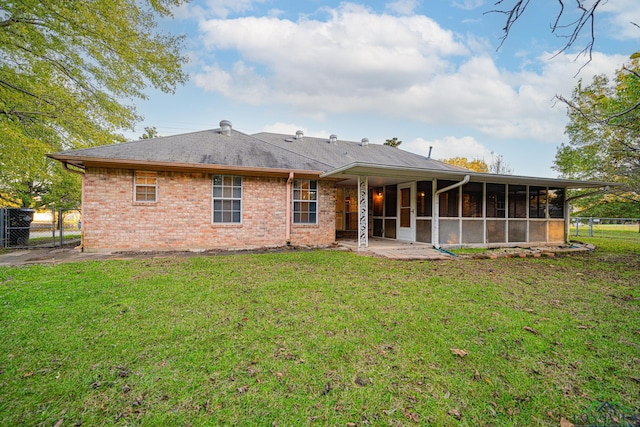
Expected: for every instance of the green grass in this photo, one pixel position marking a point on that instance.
(49, 239)
(320, 338)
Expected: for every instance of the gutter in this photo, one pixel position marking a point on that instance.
(78, 171)
(288, 209)
(567, 208)
(436, 209)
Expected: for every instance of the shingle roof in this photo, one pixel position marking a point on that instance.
(260, 151)
(342, 152)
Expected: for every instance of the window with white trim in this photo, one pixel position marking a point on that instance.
(305, 201)
(227, 199)
(145, 186)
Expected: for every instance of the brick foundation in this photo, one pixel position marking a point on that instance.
(181, 218)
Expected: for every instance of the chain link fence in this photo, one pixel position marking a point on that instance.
(28, 228)
(603, 227)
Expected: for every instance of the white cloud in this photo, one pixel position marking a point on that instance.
(217, 8)
(357, 61)
(468, 4)
(622, 14)
(448, 147)
(402, 7)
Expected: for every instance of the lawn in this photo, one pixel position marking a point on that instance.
(321, 338)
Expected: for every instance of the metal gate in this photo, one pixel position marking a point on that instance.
(26, 228)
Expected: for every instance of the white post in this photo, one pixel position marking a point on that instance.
(363, 212)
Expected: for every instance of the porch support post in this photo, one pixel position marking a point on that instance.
(363, 211)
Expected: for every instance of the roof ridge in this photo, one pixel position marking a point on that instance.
(288, 150)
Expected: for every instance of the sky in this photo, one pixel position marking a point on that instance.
(431, 73)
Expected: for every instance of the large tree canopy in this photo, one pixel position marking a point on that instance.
(604, 136)
(68, 72)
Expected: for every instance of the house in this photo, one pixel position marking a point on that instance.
(222, 188)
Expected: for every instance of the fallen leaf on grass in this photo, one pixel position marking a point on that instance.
(583, 327)
(455, 413)
(243, 389)
(27, 374)
(459, 352)
(566, 423)
(351, 424)
(59, 423)
(477, 376)
(412, 416)
(362, 382)
(530, 329)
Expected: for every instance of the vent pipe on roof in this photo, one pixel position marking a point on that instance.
(364, 142)
(333, 139)
(429, 155)
(225, 127)
(299, 134)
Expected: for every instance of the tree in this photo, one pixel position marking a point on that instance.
(604, 135)
(393, 142)
(474, 165)
(67, 70)
(149, 132)
(498, 165)
(563, 25)
(567, 25)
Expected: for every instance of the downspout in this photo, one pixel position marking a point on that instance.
(288, 210)
(567, 209)
(436, 209)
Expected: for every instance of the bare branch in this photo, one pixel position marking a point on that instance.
(576, 27)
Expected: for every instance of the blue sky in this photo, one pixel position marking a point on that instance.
(426, 72)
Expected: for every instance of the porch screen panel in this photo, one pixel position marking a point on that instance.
(472, 231)
(496, 201)
(390, 228)
(556, 231)
(448, 200)
(390, 200)
(517, 203)
(556, 203)
(377, 227)
(423, 199)
(537, 231)
(423, 230)
(496, 231)
(449, 231)
(537, 202)
(517, 231)
(472, 200)
(377, 201)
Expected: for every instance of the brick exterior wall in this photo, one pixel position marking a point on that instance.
(181, 218)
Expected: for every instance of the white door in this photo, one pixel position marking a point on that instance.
(407, 212)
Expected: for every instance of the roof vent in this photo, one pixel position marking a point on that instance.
(299, 134)
(225, 127)
(333, 139)
(364, 142)
(429, 155)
